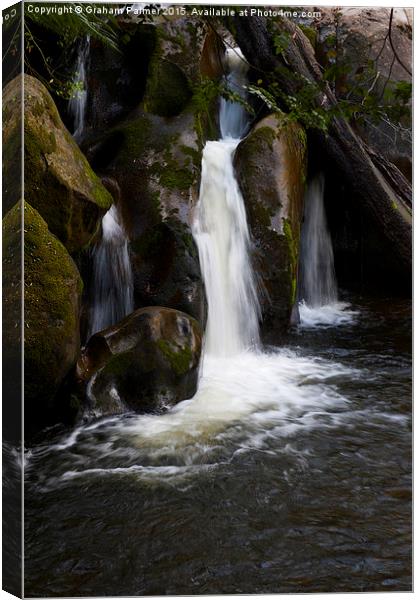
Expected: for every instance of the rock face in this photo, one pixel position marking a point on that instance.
(52, 302)
(271, 168)
(155, 157)
(156, 163)
(145, 363)
(364, 49)
(59, 182)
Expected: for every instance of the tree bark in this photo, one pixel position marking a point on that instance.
(384, 191)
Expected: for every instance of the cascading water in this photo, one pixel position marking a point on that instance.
(318, 280)
(78, 102)
(318, 287)
(234, 120)
(112, 275)
(247, 399)
(222, 235)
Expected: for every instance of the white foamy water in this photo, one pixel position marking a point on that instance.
(248, 402)
(113, 285)
(329, 315)
(78, 102)
(222, 235)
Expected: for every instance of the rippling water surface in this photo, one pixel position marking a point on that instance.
(290, 471)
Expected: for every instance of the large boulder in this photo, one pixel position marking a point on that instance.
(52, 295)
(145, 363)
(12, 144)
(271, 169)
(12, 324)
(59, 182)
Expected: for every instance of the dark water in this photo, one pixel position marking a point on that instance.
(315, 498)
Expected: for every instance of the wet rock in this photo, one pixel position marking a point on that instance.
(117, 78)
(145, 363)
(271, 168)
(156, 164)
(155, 157)
(59, 182)
(53, 290)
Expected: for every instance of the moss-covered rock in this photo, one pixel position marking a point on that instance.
(12, 144)
(168, 91)
(59, 182)
(12, 323)
(145, 363)
(52, 292)
(271, 169)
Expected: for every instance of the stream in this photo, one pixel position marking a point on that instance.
(308, 491)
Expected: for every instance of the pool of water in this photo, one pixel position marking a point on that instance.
(289, 472)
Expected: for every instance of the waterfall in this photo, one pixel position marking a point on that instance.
(233, 118)
(78, 101)
(222, 234)
(112, 275)
(318, 280)
(319, 303)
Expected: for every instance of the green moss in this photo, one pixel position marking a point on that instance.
(394, 205)
(173, 177)
(137, 137)
(12, 279)
(168, 90)
(194, 154)
(261, 214)
(150, 242)
(292, 246)
(119, 364)
(254, 144)
(52, 293)
(310, 33)
(180, 359)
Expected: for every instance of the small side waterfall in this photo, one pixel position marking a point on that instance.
(233, 118)
(77, 103)
(222, 234)
(112, 275)
(318, 279)
(319, 304)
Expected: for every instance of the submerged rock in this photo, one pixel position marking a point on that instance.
(52, 291)
(145, 363)
(59, 182)
(271, 169)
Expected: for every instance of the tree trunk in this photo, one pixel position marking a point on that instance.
(385, 192)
